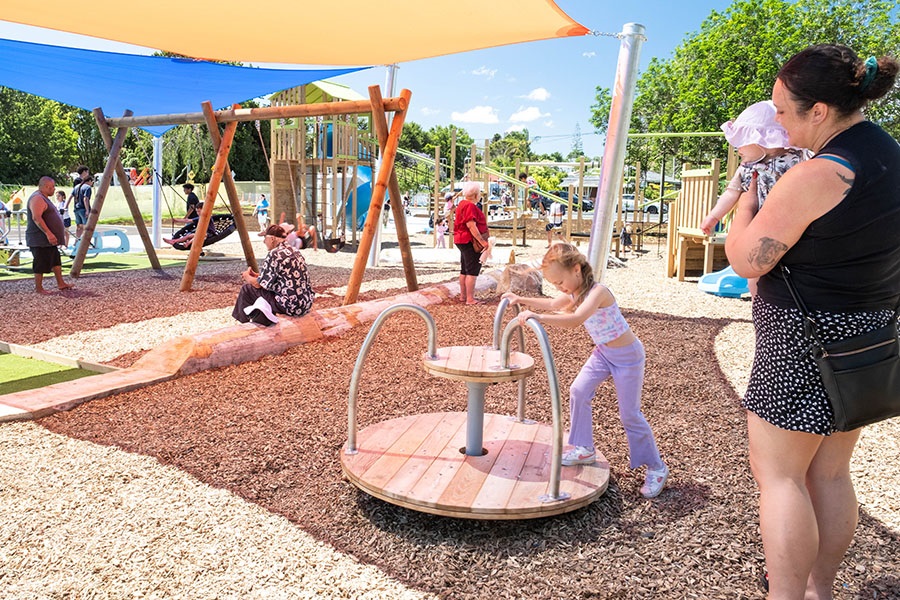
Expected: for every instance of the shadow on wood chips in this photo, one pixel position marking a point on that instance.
(271, 433)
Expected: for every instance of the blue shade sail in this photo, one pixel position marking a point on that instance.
(147, 85)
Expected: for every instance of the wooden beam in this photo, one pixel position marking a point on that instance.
(212, 191)
(381, 130)
(376, 203)
(230, 189)
(262, 113)
(97, 200)
(125, 184)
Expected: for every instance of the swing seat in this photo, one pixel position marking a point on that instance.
(333, 245)
(224, 225)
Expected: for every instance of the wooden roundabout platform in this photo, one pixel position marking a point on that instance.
(470, 464)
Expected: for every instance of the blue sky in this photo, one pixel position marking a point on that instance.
(546, 87)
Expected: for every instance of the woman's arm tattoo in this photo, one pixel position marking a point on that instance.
(766, 254)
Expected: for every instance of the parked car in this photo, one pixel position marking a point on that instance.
(587, 206)
(651, 208)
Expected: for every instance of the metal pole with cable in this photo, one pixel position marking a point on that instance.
(376, 242)
(632, 37)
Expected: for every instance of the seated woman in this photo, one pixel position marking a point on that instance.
(281, 286)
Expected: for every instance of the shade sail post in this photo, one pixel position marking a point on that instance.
(613, 163)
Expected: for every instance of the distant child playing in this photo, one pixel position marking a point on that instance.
(618, 353)
(442, 228)
(63, 206)
(765, 155)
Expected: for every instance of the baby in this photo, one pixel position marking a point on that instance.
(763, 146)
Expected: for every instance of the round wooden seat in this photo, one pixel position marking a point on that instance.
(477, 364)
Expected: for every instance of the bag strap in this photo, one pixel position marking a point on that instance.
(809, 325)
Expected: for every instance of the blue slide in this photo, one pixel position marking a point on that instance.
(363, 196)
(725, 283)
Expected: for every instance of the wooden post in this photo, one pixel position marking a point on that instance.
(377, 202)
(212, 191)
(97, 201)
(230, 189)
(381, 130)
(129, 193)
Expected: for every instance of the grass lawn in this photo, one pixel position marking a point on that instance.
(98, 264)
(19, 373)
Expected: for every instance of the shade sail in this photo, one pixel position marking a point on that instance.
(341, 32)
(148, 85)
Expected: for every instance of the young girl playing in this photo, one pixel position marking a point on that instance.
(441, 230)
(765, 155)
(618, 353)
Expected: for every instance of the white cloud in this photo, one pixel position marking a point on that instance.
(527, 115)
(539, 94)
(515, 128)
(482, 70)
(589, 54)
(430, 111)
(477, 114)
(548, 123)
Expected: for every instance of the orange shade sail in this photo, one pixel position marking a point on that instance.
(339, 32)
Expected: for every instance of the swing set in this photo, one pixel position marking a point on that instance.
(388, 138)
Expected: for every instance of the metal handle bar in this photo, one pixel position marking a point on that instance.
(553, 380)
(357, 369)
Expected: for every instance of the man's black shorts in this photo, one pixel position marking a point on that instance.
(45, 258)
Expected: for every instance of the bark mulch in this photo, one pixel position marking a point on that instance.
(271, 432)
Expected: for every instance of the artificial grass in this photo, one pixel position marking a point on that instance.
(18, 373)
(98, 264)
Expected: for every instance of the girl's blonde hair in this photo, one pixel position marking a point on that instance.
(567, 256)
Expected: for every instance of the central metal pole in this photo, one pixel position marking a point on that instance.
(475, 419)
(614, 151)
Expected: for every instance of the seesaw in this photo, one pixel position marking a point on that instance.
(473, 464)
(99, 239)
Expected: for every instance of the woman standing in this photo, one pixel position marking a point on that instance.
(833, 222)
(470, 224)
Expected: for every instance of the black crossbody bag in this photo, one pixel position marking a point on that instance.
(861, 373)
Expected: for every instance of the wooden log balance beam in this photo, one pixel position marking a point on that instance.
(239, 343)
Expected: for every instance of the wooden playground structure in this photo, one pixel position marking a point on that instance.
(388, 139)
(471, 465)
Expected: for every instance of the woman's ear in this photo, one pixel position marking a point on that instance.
(819, 112)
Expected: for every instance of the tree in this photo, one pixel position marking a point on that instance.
(600, 110)
(35, 139)
(734, 58)
(440, 135)
(577, 147)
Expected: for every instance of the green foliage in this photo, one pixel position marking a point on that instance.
(548, 178)
(440, 135)
(35, 139)
(733, 60)
(600, 110)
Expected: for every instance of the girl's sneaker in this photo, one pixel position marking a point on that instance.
(579, 455)
(654, 482)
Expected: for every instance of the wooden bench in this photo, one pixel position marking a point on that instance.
(615, 242)
(520, 226)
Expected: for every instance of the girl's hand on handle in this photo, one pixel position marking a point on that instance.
(513, 298)
(525, 315)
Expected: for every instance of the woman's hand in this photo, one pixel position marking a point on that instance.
(514, 299)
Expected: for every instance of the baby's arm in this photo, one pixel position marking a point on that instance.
(724, 204)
